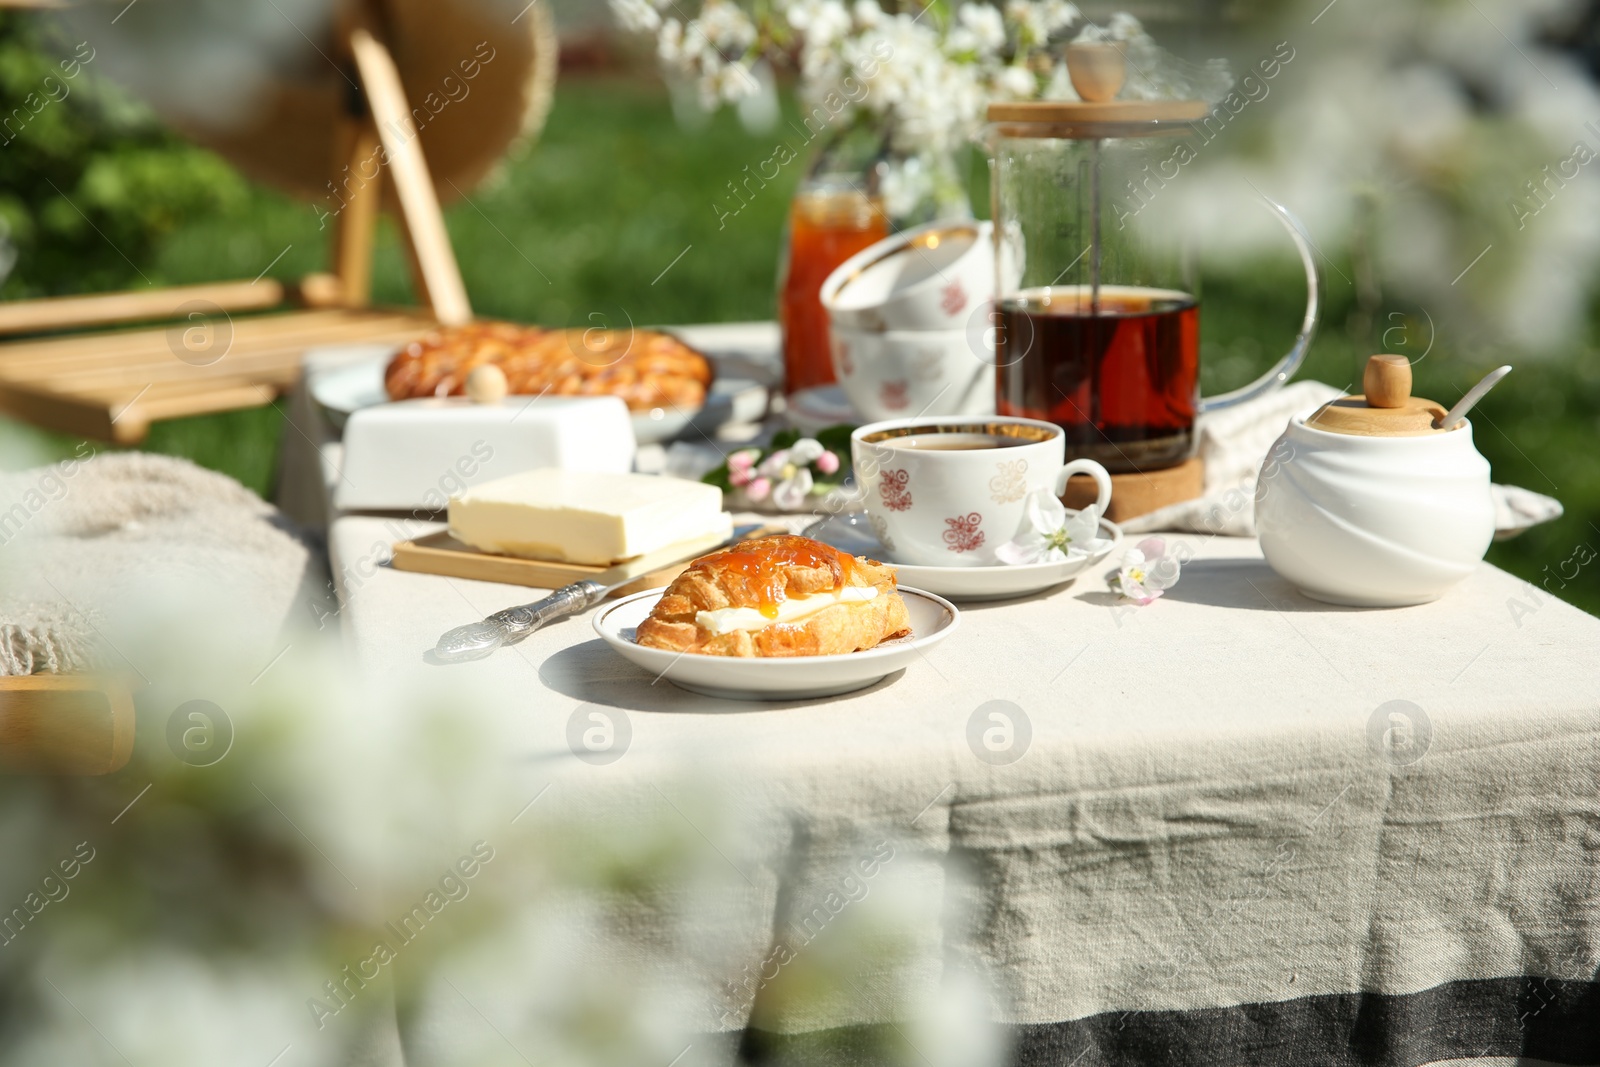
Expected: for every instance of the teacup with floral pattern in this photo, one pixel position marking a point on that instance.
(946, 492)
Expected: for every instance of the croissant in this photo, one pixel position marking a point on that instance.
(777, 596)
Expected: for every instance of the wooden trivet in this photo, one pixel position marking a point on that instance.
(1141, 492)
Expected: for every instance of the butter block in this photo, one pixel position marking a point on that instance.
(585, 517)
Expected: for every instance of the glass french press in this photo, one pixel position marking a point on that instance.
(1096, 321)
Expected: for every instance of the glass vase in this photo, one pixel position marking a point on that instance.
(856, 191)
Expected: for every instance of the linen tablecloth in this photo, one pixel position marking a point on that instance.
(1234, 826)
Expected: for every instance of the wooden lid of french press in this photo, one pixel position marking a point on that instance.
(1098, 70)
(1385, 409)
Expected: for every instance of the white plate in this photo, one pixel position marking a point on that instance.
(797, 678)
(342, 391)
(851, 533)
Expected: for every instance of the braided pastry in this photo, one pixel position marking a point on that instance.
(646, 368)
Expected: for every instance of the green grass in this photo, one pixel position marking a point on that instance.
(590, 222)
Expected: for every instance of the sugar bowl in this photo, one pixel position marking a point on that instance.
(1376, 500)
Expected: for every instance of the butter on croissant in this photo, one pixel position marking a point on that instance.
(777, 596)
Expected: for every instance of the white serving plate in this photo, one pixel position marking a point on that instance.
(850, 533)
(342, 391)
(798, 678)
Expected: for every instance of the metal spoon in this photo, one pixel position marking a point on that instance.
(1456, 414)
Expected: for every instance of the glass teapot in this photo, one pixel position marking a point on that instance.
(1096, 321)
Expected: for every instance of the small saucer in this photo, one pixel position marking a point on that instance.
(819, 407)
(999, 582)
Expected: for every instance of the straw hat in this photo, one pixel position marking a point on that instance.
(478, 75)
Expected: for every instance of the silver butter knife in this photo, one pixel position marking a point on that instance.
(479, 639)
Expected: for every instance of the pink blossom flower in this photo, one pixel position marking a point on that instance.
(758, 489)
(828, 463)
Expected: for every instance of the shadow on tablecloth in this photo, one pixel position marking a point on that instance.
(1247, 584)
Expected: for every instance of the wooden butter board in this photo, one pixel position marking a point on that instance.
(442, 554)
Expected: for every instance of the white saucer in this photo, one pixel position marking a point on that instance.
(819, 407)
(851, 533)
(797, 678)
(341, 391)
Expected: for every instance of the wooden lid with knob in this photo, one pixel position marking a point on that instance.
(1097, 70)
(1386, 408)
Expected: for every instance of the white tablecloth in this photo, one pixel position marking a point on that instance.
(1241, 826)
(1204, 816)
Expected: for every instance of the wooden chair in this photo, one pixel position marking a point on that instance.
(113, 383)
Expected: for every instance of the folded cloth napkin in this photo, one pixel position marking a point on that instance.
(85, 542)
(1233, 443)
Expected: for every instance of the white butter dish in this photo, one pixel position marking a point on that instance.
(416, 454)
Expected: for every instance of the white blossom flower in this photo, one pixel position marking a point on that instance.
(734, 82)
(727, 27)
(790, 493)
(1059, 85)
(806, 450)
(773, 465)
(1049, 532)
(789, 476)
(1059, 14)
(821, 21)
(1146, 572)
(1029, 20)
(926, 83)
(1016, 82)
(985, 25)
(637, 16)
(1125, 27)
(669, 45)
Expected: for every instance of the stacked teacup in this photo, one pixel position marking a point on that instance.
(909, 322)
